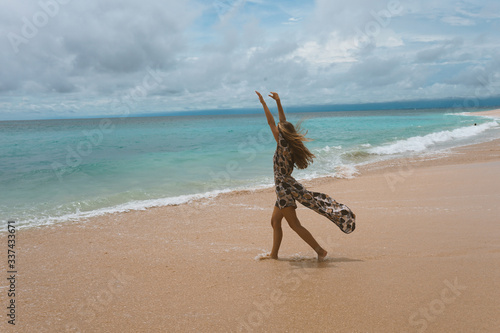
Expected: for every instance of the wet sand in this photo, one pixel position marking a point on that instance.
(425, 257)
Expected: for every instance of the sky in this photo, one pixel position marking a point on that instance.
(66, 58)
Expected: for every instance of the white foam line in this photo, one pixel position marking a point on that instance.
(121, 208)
(421, 143)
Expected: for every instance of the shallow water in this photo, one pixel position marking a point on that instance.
(59, 170)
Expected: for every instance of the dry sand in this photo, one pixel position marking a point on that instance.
(425, 257)
(492, 113)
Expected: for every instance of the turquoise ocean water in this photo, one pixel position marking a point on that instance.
(53, 171)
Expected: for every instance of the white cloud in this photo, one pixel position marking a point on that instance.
(457, 21)
(330, 51)
(426, 38)
(93, 53)
(293, 20)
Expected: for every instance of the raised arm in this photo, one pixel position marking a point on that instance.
(276, 97)
(269, 116)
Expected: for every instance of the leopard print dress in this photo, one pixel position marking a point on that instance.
(288, 190)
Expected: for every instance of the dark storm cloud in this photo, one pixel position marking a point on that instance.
(82, 41)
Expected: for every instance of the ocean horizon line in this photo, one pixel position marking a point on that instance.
(459, 104)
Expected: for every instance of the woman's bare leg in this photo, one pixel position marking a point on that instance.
(277, 231)
(294, 223)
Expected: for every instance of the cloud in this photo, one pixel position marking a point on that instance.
(443, 50)
(85, 56)
(375, 72)
(457, 21)
(92, 38)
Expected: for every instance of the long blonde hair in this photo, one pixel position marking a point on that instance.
(301, 156)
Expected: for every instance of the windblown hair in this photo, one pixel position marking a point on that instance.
(301, 156)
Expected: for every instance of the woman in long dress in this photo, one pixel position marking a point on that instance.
(290, 152)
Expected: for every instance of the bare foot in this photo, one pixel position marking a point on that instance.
(322, 254)
(266, 255)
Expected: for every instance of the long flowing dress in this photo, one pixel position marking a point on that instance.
(288, 190)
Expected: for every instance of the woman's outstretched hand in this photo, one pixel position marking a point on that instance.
(260, 96)
(274, 96)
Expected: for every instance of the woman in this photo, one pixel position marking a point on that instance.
(291, 152)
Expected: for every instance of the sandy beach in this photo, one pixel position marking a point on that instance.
(491, 113)
(425, 257)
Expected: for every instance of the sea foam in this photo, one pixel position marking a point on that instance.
(121, 208)
(421, 143)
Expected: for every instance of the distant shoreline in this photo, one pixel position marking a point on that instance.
(455, 105)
